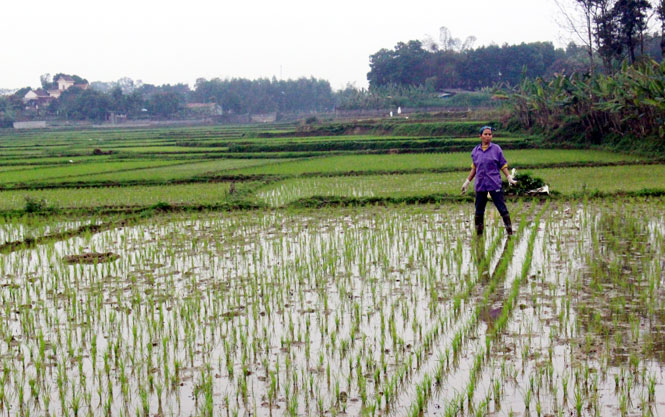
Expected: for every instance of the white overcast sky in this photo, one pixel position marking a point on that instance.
(167, 41)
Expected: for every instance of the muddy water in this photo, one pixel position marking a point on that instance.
(551, 361)
(329, 312)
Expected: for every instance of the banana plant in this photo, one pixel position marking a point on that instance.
(629, 102)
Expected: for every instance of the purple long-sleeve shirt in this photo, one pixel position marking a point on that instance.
(488, 165)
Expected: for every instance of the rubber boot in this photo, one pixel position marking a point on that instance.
(508, 223)
(480, 225)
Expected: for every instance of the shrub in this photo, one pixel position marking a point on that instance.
(34, 205)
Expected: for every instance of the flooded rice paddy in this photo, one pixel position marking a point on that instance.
(391, 311)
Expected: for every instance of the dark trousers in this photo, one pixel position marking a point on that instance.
(497, 198)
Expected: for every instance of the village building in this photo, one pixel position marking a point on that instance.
(210, 109)
(40, 97)
(64, 82)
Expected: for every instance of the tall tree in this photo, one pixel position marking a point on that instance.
(632, 19)
(448, 41)
(660, 10)
(607, 33)
(165, 104)
(582, 27)
(620, 28)
(405, 64)
(46, 81)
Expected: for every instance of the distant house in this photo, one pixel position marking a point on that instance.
(64, 82)
(41, 97)
(211, 109)
(37, 97)
(31, 95)
(37, 124)
(115, 118)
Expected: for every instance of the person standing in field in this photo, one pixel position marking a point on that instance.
(488, 163)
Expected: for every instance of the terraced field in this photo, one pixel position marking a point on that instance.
(184, 273)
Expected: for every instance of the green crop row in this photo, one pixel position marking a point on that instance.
(177, 194)
(163, 149)
(399, 127)
(570, 181)
(176, 172)
(406, 162)
(336, 145)
(293, 140)
(604, 179)
(162, 134)
(58, 173)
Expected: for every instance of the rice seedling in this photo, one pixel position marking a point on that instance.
(364, 311)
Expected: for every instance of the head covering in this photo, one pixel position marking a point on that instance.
(482, 129)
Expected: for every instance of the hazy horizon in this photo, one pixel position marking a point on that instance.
(168, 43)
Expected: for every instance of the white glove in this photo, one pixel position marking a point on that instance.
(465, 186)
(511, 181)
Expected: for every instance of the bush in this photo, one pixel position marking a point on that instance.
(33, 205)
(6, 121)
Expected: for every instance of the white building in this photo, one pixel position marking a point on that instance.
(64, 82)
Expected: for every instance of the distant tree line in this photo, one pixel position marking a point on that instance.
(412, 64)
(138, 100)
(391, 97)
(266, 95)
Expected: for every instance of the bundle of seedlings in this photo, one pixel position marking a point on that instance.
(526, 185)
